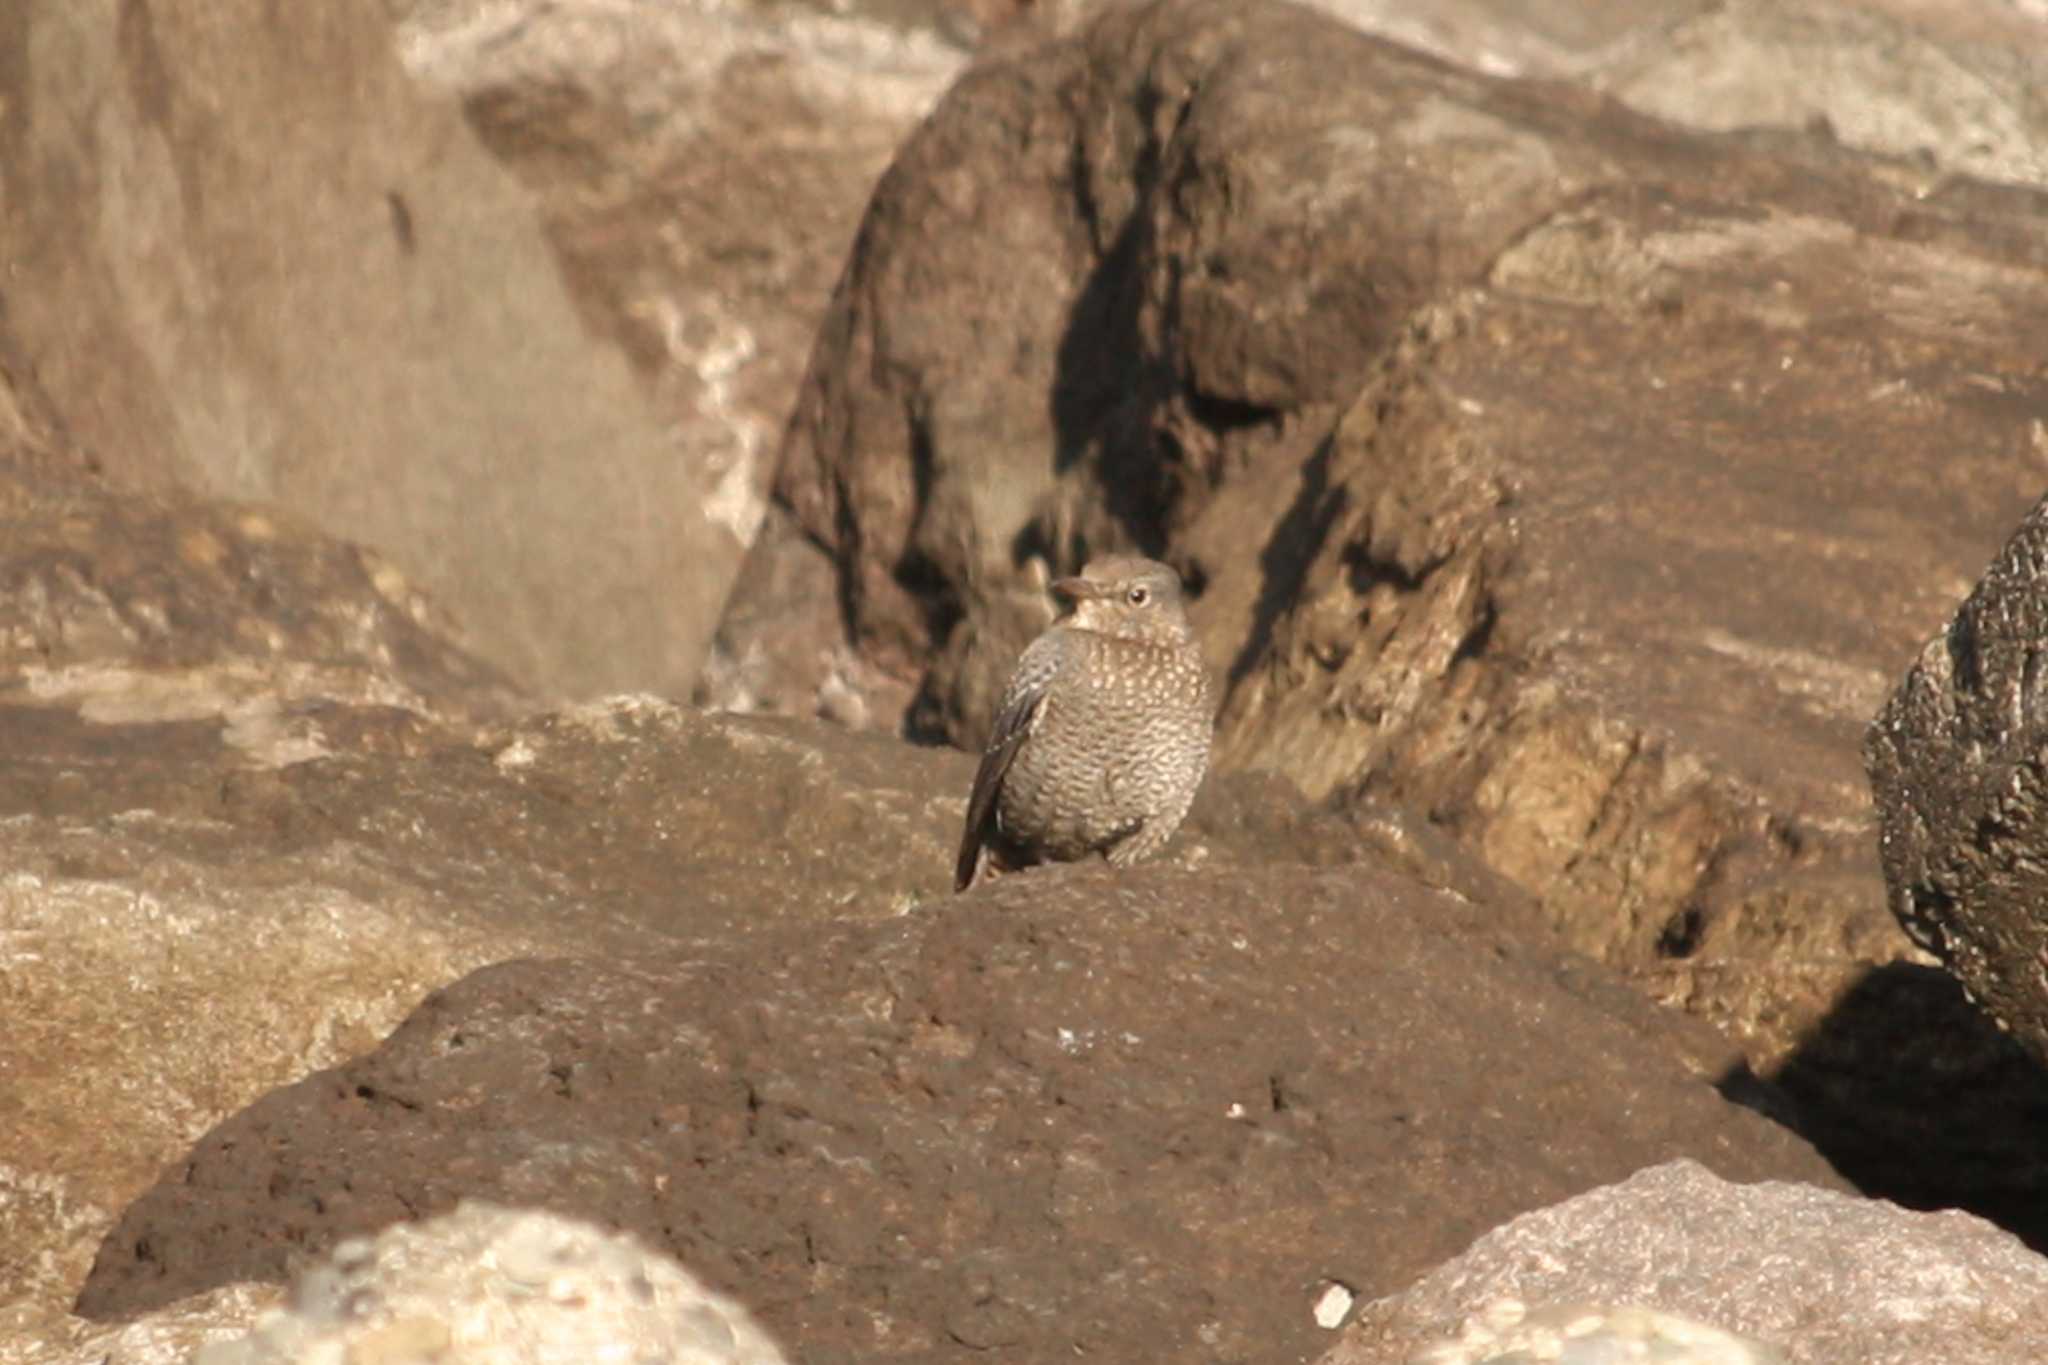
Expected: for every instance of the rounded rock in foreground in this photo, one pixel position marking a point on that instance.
(493, 1286)
(1823, 1277)
(1509, 1334)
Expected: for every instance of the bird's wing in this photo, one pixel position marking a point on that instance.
(1023, 703)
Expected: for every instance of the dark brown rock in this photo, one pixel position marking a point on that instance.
(1956, 762)
(1577, 480)
(1060, 1116)
(246, 786)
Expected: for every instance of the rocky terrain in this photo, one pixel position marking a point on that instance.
(501, 498)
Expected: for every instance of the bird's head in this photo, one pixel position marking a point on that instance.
(1129, 598)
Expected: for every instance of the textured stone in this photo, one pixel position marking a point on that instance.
(699, 170)
(246, 786)
(1576, 479)
(1508, 1334)
(1117, 296)
(492, 1286)
(1956, 762)
(160, 657)
(133, 607)
(1060, 1115)
(1818, 1277)
(169, 1336)
(1957, 88)
(247, 256)
(289, 916)
(244, 782)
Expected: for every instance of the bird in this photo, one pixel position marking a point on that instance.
(1103, 732)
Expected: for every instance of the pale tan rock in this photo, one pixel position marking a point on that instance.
(151, 995)
(250, 257)
(496, 1286)
(700, 170)
(1814, 1276)
(167, 1336)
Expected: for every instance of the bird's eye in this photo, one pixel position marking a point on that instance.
(1139, 595)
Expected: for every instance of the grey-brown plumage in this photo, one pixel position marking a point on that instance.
(1103, 732)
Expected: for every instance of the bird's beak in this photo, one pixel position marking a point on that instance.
(1074, 589)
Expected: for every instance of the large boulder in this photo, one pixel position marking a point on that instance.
(249, 257)
(1080, 1112)
(254, 806)
(210, 893)
(176, 941)
(699, 171)
(1570, 477)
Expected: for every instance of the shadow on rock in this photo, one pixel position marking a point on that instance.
(1904, 1041)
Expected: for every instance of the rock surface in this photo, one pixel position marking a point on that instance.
(254, 804)
(1540, 466)
(372, 338)
(165, 662)
(290, 917)
(249, 258)
(1508, 1334)
(490, 1286)
(1815, 1276)
(1054, 1116)
(1956, 763)
(1957, 87)
(246, 785)
(699, 170)
(170, 1336)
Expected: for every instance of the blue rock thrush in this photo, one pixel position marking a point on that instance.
(1103, 732)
